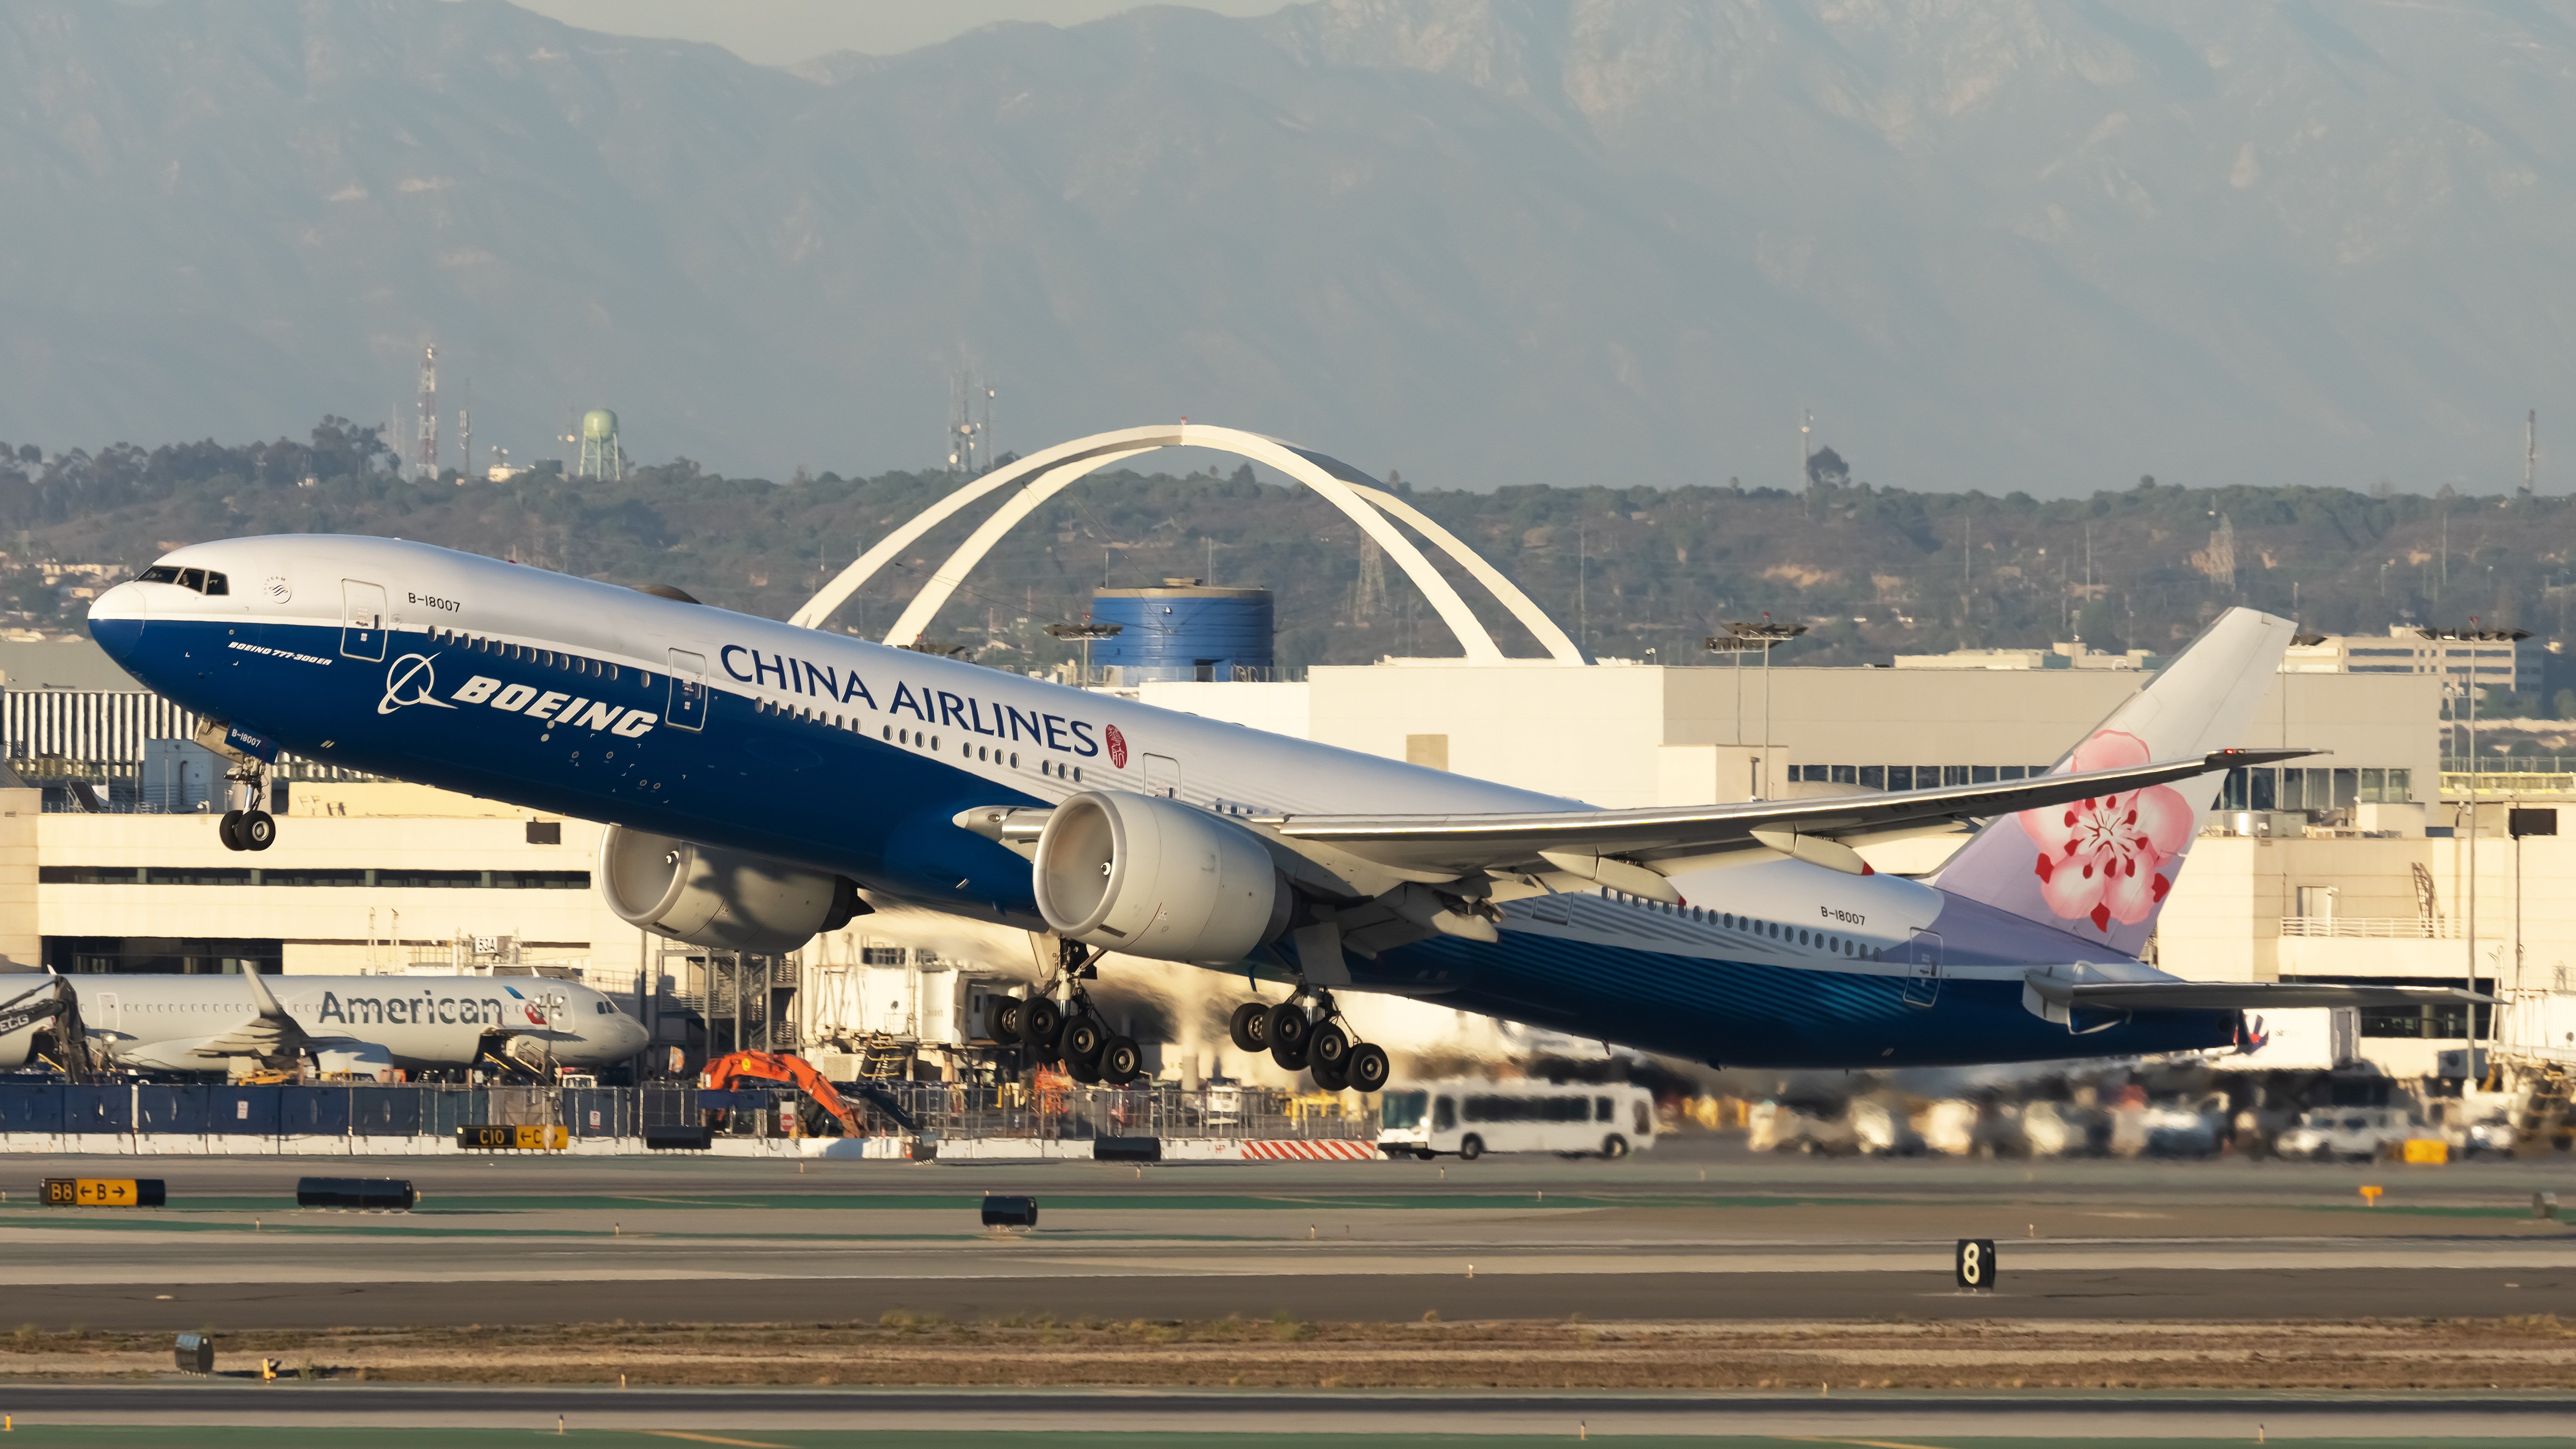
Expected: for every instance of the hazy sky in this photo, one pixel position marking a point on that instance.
(777, 32)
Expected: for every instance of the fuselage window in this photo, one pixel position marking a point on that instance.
(1077, 774)
(1015, 762)
(158, 574)
(217, 584)
(193, 579)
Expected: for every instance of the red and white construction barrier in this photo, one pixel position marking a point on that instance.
(1326, 1149)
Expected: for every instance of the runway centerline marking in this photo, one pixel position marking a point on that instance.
(714, 1439)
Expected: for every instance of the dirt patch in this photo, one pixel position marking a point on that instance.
(907, 1349)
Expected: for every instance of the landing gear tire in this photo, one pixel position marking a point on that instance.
(1367, 1068)
(1084, 1036)
(1250, 1027)
(1002, 1016)
(1330, 1046)
(230, 830)
(1120, 1061)
(1470, 1147)
(1041, 1022)
(1329, 1076)
(1290, 1059)
(257, 830)
(1083, 1069)
(1614, 1147)
(1290, 1027)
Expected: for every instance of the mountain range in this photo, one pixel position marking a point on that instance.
(1993, 244)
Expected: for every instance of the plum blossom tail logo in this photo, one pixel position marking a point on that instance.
(1117, 748)
(2103, 859)
(413, 673)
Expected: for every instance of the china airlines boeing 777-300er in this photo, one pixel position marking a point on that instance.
(764, 782)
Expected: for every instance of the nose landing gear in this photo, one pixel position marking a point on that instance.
(245, 826)
(1307, 1033)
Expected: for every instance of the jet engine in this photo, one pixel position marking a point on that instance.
(720, 898)
(1150, 876)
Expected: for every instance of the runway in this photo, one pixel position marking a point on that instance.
(1704, 1235)
(790, 1418)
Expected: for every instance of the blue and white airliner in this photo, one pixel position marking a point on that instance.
(765, 781)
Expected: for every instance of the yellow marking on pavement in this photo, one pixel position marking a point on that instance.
(1866, 1443)
(714, 1439)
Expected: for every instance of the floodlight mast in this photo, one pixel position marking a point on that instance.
(2474, 634)
(1086, 632)
(1739, 638)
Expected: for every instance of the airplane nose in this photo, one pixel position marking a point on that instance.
(116, 621)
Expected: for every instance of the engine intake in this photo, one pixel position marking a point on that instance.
(1150, 876)
(720, 898)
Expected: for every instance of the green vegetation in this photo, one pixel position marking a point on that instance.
(1642, 572)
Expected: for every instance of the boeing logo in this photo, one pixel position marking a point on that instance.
(413, 672)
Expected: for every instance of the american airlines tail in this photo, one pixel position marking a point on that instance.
(2100, 869)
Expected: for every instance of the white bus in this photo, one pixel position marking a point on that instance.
(1470, 1119)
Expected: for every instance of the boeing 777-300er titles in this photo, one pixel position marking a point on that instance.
(765, 782)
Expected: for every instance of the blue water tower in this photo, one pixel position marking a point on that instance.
(1184, 629)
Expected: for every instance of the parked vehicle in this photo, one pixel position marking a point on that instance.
(2355, 1134)
(1471, 1119)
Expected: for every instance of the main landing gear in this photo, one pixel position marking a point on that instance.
(1073, 1035)
(245, 825)
(1306, 1033)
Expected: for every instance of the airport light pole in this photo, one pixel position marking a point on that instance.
(2473, 636)
(1765, 636)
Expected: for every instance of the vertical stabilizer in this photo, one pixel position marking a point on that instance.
(2099, 869)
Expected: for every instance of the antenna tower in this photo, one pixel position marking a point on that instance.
(2530, 451)
(970, 442)
(429, 412)
(465, 431)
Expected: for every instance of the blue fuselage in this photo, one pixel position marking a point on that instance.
(598, 702)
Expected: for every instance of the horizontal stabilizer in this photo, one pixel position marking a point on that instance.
(2232, 995)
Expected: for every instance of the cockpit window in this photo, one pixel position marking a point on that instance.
(204, 581)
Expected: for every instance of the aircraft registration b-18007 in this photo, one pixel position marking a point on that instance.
(765, 781)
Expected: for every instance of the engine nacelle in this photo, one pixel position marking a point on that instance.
(1150, 876)
(720, 898)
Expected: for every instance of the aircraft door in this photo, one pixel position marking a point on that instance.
(362, 620)
(688, 709)
(1923, 981)
(1162, 775)
(110, 1014)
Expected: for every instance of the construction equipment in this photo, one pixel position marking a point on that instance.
(2542, 1122)
(785, 1067)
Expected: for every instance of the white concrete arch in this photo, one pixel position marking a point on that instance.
(1050, 472)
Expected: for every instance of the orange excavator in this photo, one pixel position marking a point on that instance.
(795, 1071)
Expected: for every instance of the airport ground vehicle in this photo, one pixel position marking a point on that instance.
(1472, 1118)
(2357, 1134)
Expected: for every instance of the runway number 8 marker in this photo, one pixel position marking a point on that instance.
(1976, 1262)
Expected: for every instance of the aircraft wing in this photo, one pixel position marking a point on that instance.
(1633, 850)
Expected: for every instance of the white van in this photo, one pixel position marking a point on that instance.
(2356, 1134)
(1470, 1119)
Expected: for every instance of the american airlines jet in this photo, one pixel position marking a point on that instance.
(764, 782)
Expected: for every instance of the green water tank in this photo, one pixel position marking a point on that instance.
(598, 425)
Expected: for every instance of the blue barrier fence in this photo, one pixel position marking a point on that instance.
(57, 1109)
